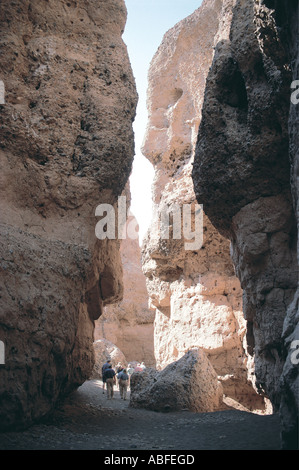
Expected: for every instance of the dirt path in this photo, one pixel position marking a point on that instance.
(88, 421)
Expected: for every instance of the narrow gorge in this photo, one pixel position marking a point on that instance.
(214, 306)
(195, 292)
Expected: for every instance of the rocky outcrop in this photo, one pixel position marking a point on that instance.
(242, 177)
(66, 146)
(104, 350)
(190, 383)
(191, 283)
(130, 323)
(289, 405)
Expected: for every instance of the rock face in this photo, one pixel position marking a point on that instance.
(130, 323)
(193, 288)
(189, 383)
(66, 146)
(247, 150)
(289, 406)
(104, 350)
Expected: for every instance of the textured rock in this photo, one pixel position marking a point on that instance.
(195, 293)
(242, 176)
(130, 323)
(66, 146)
(104, 350)
(189, 383)
(289, 406)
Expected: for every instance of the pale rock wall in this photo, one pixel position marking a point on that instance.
(246, 175)
(196, 294)
(66, 146)
(130, 323)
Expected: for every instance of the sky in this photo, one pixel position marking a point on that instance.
(147, 22)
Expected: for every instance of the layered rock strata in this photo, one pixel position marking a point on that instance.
(66, 146)
(246, 176)
(130, 323)
(193, 288)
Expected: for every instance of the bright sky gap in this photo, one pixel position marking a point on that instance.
(148, 21)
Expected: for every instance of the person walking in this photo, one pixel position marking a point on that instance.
(118, 369)
(123, 380)
(130, 372)
(110, 381)
(104, 367)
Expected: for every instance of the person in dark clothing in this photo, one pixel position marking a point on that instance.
(109, 376)
(123, 380)
(118, 369)
(104, 367)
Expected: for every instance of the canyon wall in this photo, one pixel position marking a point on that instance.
(130, 323)
(193, 288)
(246, 176)
(289, 405)
(66, 146)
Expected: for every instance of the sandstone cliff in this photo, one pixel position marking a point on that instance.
(246, 176)
(66, 146)
(130, 323)
(195, 292)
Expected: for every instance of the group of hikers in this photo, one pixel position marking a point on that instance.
(119, 376)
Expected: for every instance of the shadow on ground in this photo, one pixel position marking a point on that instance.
(88, 421)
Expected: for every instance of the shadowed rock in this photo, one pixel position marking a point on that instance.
(190, 383)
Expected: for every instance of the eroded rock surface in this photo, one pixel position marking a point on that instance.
(247, 152)
(66, 146)
(190, 383)
(193, 290)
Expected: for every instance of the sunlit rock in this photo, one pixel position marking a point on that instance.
(195, 293)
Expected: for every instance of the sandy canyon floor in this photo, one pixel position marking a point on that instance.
(88, 421)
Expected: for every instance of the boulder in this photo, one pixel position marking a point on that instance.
(190, 383)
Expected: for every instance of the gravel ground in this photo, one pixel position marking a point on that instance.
(88, 421)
